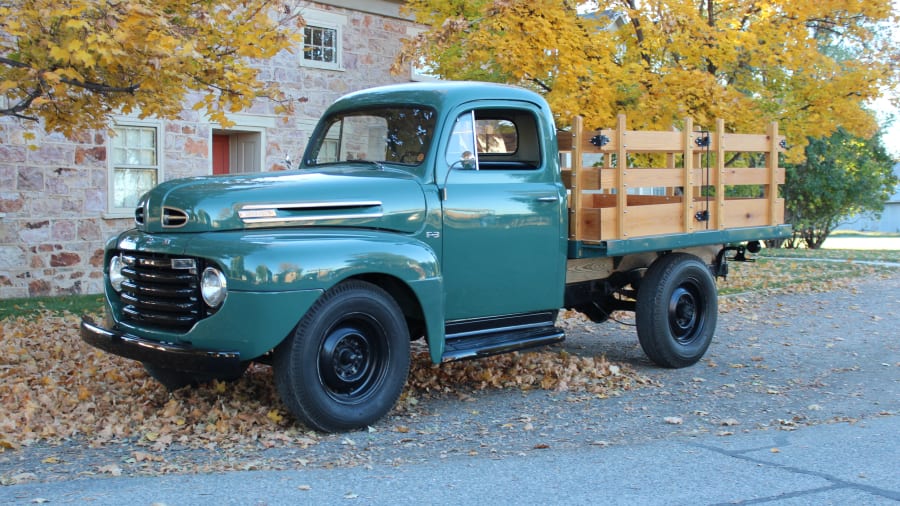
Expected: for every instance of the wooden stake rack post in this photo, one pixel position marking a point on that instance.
(626, 184)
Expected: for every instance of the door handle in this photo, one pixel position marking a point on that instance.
(548, 199)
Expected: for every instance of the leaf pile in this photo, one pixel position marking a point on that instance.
(54, 387)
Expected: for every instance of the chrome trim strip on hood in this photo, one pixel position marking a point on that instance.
(313, 218)
(328, 204)
(267, 213)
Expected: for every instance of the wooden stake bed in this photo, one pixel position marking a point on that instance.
(631, 191)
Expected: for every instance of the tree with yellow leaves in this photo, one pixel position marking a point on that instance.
(72, 64)
(811, 65)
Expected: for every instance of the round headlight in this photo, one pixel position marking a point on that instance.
(115, 273)
(213, 287)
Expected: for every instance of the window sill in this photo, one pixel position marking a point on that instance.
(321, 65)
(117, 215)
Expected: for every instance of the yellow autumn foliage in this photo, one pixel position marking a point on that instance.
(72, 64)
(811, 65)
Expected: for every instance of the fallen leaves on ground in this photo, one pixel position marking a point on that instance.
(54, 387)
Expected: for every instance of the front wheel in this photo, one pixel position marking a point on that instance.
(345, 365)
(676, 310)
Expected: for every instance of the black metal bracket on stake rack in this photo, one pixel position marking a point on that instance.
(600, 140)
(704, 141)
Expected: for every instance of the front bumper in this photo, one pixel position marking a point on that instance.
(170, 356)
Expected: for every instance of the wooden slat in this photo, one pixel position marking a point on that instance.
(752, 175)
(653, 220)
(649, 200)
(772, 166)
(621, 167)
(646, 178)
(609, 217)
(718, 221)
(590, 219)
(592, 178)
(566, 176)
(577, 162)
(607, 177)
(598, 200)
(745, 142)
(688, 175)
(746, 212)
(653, 142)
(636, 141)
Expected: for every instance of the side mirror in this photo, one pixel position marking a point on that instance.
(467, 162)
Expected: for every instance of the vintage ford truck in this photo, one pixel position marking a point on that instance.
(453, 212)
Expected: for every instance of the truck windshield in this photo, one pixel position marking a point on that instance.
(395, 135)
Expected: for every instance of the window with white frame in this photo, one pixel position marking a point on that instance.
(134, 165)
(322, 39)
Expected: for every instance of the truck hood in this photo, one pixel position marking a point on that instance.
(344, 196)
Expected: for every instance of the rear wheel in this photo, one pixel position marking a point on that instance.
(345, 365)
(677, 310)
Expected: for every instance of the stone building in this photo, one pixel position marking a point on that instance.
(60, 202)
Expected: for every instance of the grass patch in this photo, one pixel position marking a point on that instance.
(833, 254)
(856, 233)
(798, 274)
(31, 306)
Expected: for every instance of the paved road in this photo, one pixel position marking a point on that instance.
(844, 463)
(797, 402)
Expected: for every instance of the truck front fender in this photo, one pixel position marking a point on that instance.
(315, 260)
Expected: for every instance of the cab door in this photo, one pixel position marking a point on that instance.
(504, 221)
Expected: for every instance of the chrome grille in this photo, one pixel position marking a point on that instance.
(157, 295)
(139, 215)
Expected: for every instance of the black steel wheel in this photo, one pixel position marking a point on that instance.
(676, 310)
(345, 365)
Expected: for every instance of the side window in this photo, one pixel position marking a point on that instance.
(507, 139)
(496, 136)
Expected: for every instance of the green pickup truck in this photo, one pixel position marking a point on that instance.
(453, 212)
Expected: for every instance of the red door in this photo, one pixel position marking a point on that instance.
(220, 150)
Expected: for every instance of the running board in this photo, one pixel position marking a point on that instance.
(492, 336)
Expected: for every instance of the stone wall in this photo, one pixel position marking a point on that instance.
(53, 190)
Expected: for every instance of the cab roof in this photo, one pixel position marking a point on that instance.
(440, 95)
